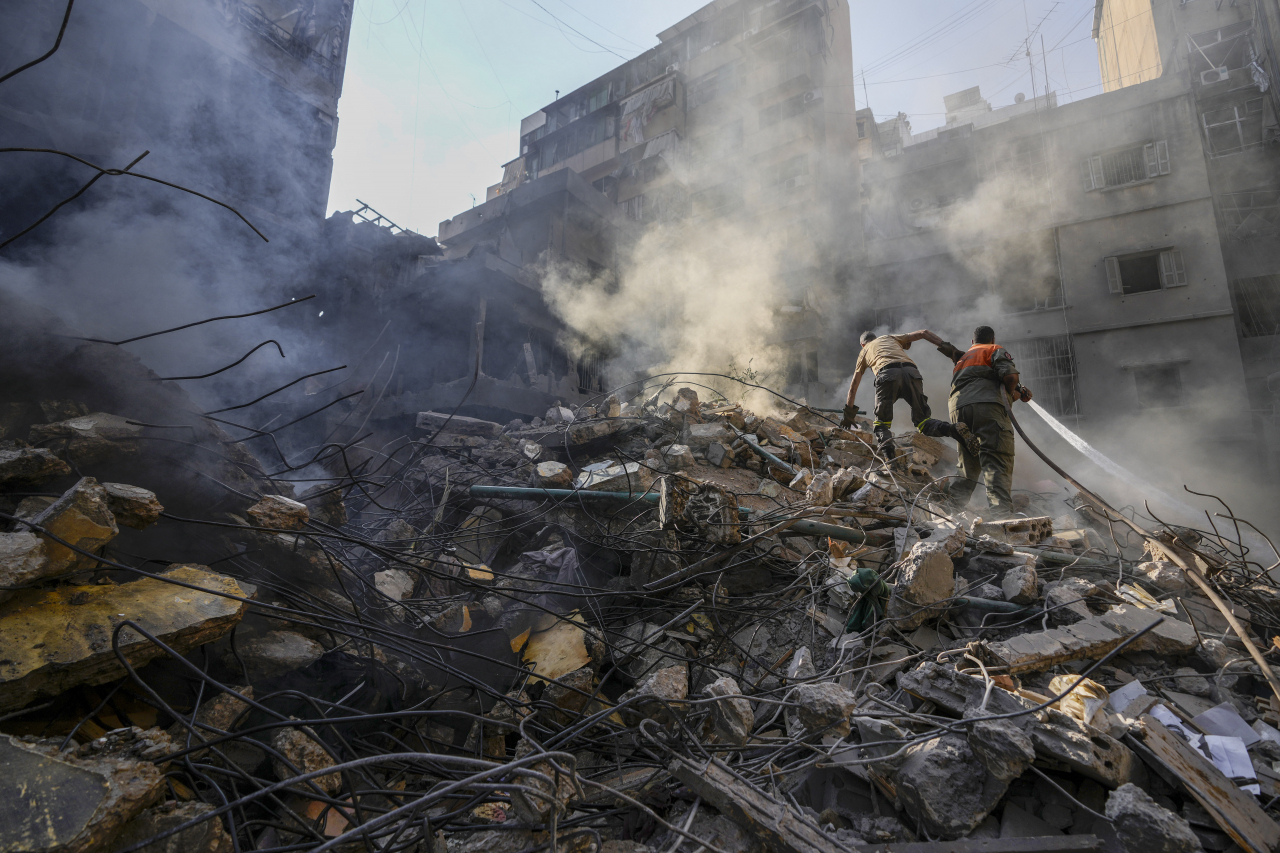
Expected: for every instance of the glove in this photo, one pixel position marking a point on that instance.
(1024, 393)
(850, 412)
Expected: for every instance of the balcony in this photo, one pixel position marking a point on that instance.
(253, 19)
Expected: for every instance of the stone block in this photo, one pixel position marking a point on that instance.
(731, 716)
(301, 749)
(27, 466)
(57, 638)
(825, 707)
(275, 653)
(458, 425)
(552, 475)
(719, 455)
(90, 438)
(820, 491)
(701, 436)
(1171, 637)
(133, 506)
(24, 559)
(945, 787)
(677, 457)
(626, 477)
(1164, 575)
(276, 512)
(1065, 604)
(396, 584)
(1145, 826)
(925, 578)
(80, 517)
(1003, 749)
(558, 415)
(1021, 585)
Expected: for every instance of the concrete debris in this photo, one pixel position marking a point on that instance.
(566, 630)
(132, 506)
(277, 512)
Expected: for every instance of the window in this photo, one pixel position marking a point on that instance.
(635, 208)
(862, 128)
(1158, 386)
(599, 99)
(787, 173)
(1047, 367)
(790, 108)
(1248, 214)
(1257, 305)
(716, 200)
(1127, 167)
(1232, 129)
(649, 169)
(1145, 272)
(1220, 50)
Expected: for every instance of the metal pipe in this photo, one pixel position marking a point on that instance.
(531, 493)
(753, 443)
(991, 606)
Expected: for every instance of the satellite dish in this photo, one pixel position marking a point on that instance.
(1019, 98)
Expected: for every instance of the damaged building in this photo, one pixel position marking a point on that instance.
(1129, 238)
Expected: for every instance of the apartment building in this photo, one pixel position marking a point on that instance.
(234, 99)
(744, 113)
(1124, 245)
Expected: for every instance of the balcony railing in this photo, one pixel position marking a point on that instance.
(277, 35)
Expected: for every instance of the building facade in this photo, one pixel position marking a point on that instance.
(743, 114)
(1123, 246)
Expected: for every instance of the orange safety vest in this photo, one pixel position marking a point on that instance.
(978, 355)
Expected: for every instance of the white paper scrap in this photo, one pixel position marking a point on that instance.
(1229, 755)
(1225, 720)
(1121, 698)
(1174, 724)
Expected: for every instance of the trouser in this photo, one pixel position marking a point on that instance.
(994, 463)
(903, 382)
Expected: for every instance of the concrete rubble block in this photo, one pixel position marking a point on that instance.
(927, 450)
(396, 584)
(275, 653)
(778, 434)
(325, 504)
(554, 788)
(731, 716)
(1016, 531)
(457, 424)
(1164, 575)
(611, 407)
(677, 457)
(1021, 585)
(713, 513)
(552, 475)
(945, 787)
(300, 748)
(820, 491)
(701, 436)
(1145, 826)
(925, 577)
(557, 650)
(78, 800)
(1065, 604)
(133, 506)
(583, 432)
(719, 455)
(825, 707)
(220, 713)
(27, 466)
(81, 518)
(1088, 639)
(558, 415)
(207, 836)
(658, 557)
(1081, 747)
(801, 480)
(489, 841)
(1171, 637)
(571, 692)
(24, 559)
(90, 438)
(624, 477)
(530, 450)
(661, 695)
(276, 512)
(846, 480)
(57, 638)
(1003, 748)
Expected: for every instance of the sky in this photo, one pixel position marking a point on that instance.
(435, 89)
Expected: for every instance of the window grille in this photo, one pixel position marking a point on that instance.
(1047, 366)
(1257, 305)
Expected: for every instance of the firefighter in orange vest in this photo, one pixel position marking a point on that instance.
(982, 378)
(898, 378)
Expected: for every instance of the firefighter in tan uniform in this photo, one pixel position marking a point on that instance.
(983, 379)
(898, 378)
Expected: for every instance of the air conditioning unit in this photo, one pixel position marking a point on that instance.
(1213, 75)
(812, 95)
(749, 33)
(796, 182)
(675, 66)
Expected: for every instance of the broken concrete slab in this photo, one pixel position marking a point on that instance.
(89, 438)
(660, 696)
(700, 436)
(1065, 601)
(133, 506)
(1004, 749)
(24, 559)
(81, 518)
(731, 716)
(1144, 826)
(825, 707)
(820, 491)
(58, 638)
(301, 748)
(552, 475)
(627, 477)
(275, 653)
(926, 577)
(1171, 637)
(719, 455)
(27, 466)
(1021, 585)
(944, 787)
(1164, 575)
(207, 836)
(457, 424)
(276, 512)
(584, 432)
(1016, 531)
(77, 800)
(558, 650)
(396, 584)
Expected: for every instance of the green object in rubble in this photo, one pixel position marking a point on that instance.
(872, 595)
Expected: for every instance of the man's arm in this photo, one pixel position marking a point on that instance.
(1016, 389)
(923, 335)
(851, 410)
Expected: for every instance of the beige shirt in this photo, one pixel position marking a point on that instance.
(883, 351)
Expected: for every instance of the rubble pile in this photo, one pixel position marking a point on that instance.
(653, 624)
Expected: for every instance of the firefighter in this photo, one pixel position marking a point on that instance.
(898, 378)
(984, 383)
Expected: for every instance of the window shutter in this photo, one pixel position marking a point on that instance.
(1153, 166)
(1172, 271)
(1092, 171)
(1086, 172)
(1113, 274)
(1162, 157)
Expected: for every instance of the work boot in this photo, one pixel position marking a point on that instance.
(884, 438)
(968, 439)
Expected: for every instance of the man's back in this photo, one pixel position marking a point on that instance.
(883, 351)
